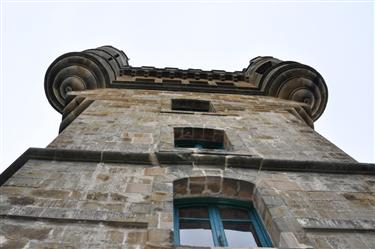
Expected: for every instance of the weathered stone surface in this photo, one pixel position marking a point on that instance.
(287, 202)
(265, 129)
(110, 178)
(16, 231)
(154, 171)
(22, 200)
(138, 188)
(13, 244)
(164, 236)
(136, 237)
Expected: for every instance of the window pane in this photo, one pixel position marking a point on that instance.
(196, 233)
(193, 212)
(233, 213)
(240, 234)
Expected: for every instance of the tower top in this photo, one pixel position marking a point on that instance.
(108, 67)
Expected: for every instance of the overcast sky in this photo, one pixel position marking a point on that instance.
(335, 38)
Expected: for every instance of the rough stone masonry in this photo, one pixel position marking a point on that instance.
(112, 175)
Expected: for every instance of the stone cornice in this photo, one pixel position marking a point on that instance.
(186, 88)
(171, 158)
(197, 74)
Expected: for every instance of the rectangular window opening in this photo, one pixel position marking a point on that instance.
(147, 80)
(198, 83)
(200, 138)
(192, 105)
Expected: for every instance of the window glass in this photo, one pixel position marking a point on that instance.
(197, 233)
(239, 235)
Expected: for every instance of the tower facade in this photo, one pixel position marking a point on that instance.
(168, 158)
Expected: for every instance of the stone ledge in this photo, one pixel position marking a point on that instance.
(318, 166)
(337, 224)
(66, 215)
(188, 158)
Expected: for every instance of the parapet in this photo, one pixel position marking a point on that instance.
(107, 67)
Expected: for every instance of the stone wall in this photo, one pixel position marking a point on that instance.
(61, 204)
(142, 121)
(96, 200)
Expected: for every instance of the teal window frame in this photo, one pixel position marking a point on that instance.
(216, 222)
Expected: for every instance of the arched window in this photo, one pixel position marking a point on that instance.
(209, 221)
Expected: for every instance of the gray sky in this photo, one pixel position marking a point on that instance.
(337, 39)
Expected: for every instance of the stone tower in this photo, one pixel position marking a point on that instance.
(170, 158)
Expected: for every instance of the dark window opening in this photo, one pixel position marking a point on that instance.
(198, 83)
(264, 67)
(200, 138)
(145, 80)
(192, 105)
(218, 222)
(172, 81)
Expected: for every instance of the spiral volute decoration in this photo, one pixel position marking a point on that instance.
(290, 80)
(77, 71)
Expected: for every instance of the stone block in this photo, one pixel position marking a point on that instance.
(154, 171)
(97, 196)
(163, 236)
(161, 196)
(136, 237)
(27, 182)
(289, 241)
(116, 236)
(213, 185)
(103, 177)
(180, 187)
(13, 244)
(140, 208)
(18, 231)
(50, 193)
(162, 187)
(138, 188)
(272, 201)
(21, 200)
(117, 197)
(10, 190)
(230, 187)
(196, 187)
